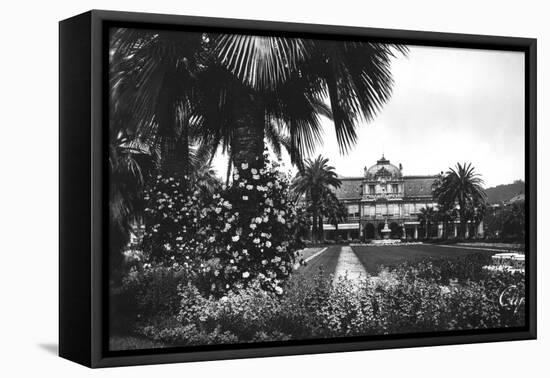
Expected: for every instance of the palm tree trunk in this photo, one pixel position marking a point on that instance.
(462, 226)
(247, 143)
(173, 132)
(462, 215)
(175, 156)
(427, 228)
(321, 230)
(315, 224)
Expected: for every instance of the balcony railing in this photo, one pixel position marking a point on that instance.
(379, 217)
(372, 197)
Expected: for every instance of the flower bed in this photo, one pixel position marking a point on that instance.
(413, 297)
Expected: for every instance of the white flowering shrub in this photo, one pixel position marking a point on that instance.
(246, 231)
(174, 235)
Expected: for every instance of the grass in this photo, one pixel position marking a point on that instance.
(307, 252)
(373, 257)
(326, 261)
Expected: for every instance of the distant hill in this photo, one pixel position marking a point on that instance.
(501, 193)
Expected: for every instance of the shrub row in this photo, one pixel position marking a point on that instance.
(442, 270)
(408, 298)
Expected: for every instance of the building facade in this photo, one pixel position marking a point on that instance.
(383, 194)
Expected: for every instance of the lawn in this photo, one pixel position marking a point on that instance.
(326, 261)
(308, 252)
(373, 257)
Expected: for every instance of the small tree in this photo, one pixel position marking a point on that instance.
(445, 216)
(513, 225)
(334, 210)
(426, 217)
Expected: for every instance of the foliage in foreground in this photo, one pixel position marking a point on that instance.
(245, 231)
(408, 298)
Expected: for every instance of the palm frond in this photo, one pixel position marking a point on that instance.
(358, 81)
(262, 62)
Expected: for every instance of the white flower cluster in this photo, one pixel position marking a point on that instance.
(258, 246)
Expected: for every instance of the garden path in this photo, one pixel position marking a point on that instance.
(349, 265)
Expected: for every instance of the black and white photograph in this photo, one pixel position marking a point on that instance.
(234, 189)
(269, 189)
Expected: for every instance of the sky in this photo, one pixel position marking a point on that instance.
(448, 105)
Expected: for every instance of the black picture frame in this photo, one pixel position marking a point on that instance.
(82, 197)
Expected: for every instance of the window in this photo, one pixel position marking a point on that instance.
(369, 210)
(353, 210)
(393, 209)
(371, 189)
(395, 188)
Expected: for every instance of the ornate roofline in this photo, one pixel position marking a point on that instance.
(420, 176)
(383, 160)
(351, 178)
(361, 178)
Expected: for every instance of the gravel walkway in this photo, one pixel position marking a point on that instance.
(349, 266)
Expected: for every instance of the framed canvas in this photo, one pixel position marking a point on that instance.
(234, 188)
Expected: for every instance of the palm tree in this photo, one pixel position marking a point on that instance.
(169, 83)
(461, 188)
(238, 118)
(333, 209)
(130, 163)
(234, 85)
(426, 216)
(314, 183)
(444, 215)
(151, 83)
(475, 215)
(179, 89)
(288, 78)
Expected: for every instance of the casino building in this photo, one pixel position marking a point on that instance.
(384, 194)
